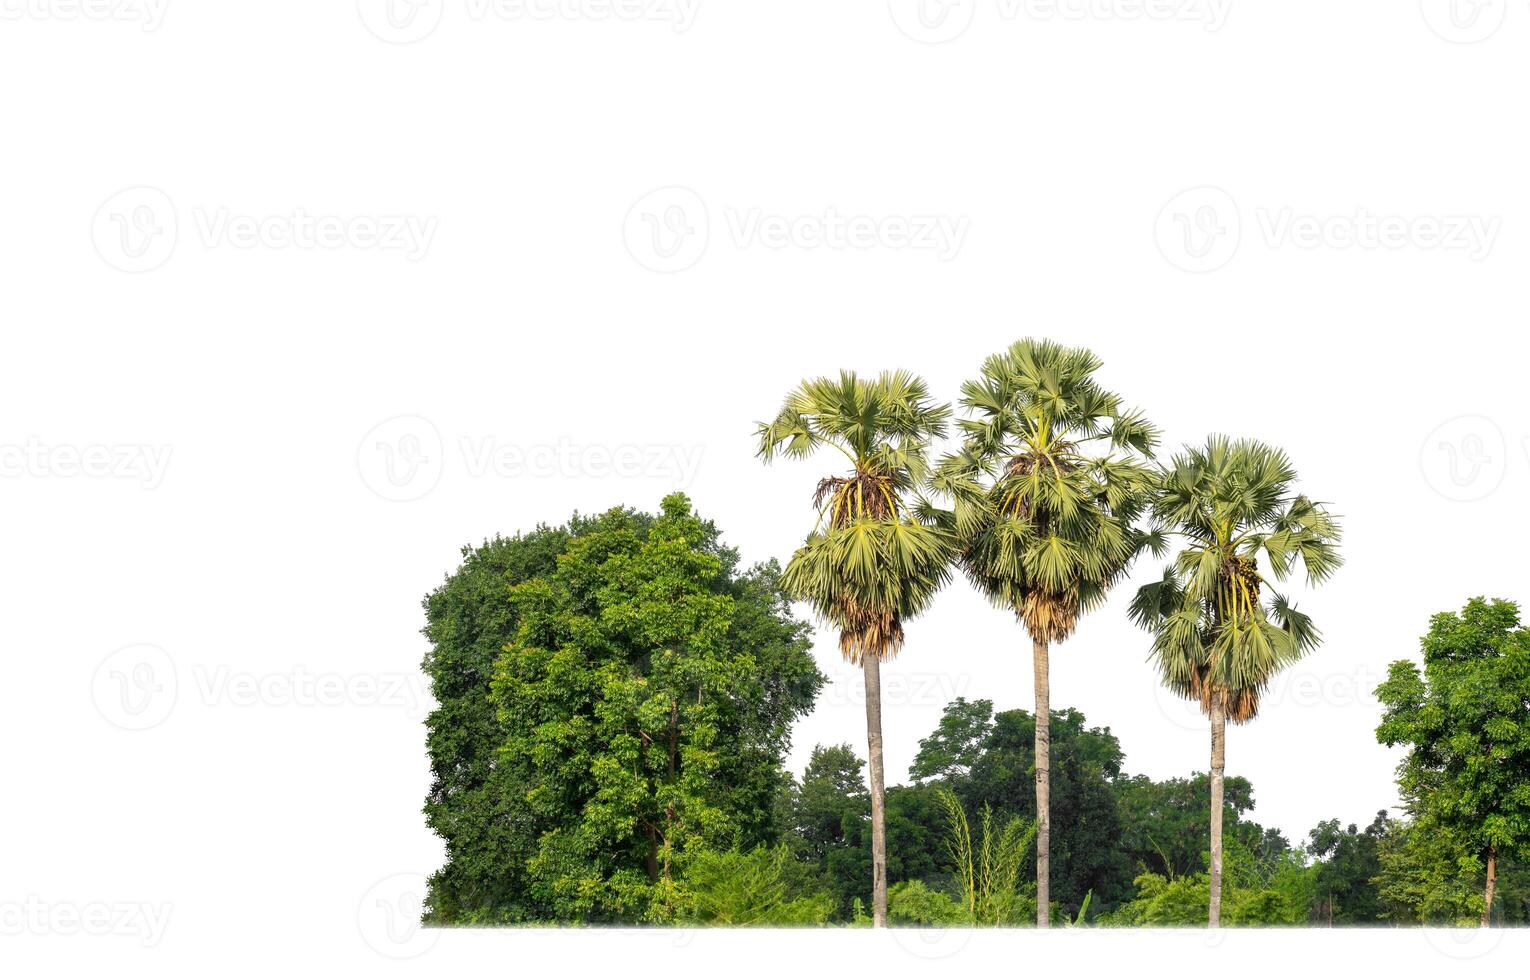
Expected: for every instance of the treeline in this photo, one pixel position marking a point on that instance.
(615, 702)
(1127, 850)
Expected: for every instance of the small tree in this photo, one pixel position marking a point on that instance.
(1466, 722)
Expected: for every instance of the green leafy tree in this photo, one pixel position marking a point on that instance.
(831, 802)
(915, 829)
(1348, 860)
(1044, 492)
(951, 750)
(1465, 719)
(1085, 762)
(1428, 875)
(1214, 638)
(1163, 822)
(870, 564)
(829, 819)
(644, 703)
(473, 806)
(1421, 879)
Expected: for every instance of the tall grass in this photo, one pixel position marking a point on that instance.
(988, 872)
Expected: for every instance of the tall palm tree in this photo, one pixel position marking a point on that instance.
(1217, 638)
(1046, 488)
(870, 563)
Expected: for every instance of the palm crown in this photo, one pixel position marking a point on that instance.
(1213, 630)
(870, 562)
(1048, 524)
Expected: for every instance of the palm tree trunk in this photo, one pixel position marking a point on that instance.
(1492, 879)
(1218, 765)
(872, 666)
(1043, 783)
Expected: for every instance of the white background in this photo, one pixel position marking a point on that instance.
(251, 766)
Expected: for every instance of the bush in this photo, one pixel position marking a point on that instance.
(914, 903)
(734, 888)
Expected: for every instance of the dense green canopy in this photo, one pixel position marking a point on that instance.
(641, 707)
(1465, 719)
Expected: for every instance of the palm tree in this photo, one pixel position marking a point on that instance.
(1045, 519)
(870, 563)
(1214, 638)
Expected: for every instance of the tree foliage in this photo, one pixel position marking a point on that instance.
(1046, 484)
(642, 703)
(1219, 627)
(1465, 720)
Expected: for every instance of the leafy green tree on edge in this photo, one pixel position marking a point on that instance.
(1466, 722)
(641, 708)
(469, 618)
